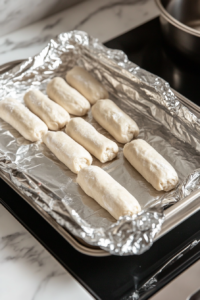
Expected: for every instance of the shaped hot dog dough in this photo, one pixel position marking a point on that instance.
(97, 144)
(100, 186)
(151, 165)
(22, 119)
(86, 84)
(73, 155)
(54, 116)
(67, 97)
(115, 121)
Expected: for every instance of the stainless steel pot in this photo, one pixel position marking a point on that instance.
(180, 23)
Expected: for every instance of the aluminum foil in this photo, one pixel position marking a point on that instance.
(164, 122)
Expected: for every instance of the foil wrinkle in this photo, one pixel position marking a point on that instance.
(170, 127)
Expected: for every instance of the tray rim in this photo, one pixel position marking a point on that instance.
(189, 204)
(88, 250)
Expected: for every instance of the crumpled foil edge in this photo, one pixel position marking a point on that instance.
(129, 235)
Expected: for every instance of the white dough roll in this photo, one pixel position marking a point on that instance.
(97, 144)
(86, 84)
(22, 119)
(115, 121)
(100, 186)
(67, 97)
(151, 165)
(73, 155)
(54, 116)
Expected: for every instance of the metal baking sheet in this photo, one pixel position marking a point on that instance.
(164, 122)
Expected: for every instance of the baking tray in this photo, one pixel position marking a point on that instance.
(174, 215)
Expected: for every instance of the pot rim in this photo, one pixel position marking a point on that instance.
(174, 21)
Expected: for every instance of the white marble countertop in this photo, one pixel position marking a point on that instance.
(27, 270)
(103, 19)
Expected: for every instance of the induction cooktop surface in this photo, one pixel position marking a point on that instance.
(145, 46)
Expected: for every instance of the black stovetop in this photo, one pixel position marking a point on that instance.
(145, 47)
(111, 278)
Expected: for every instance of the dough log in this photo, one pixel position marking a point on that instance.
(151, 165)
(67, 97)
(115, 121)
(73, 155)
(86, 84)
(97, 144)
(100, 186)
(22, 119)
(50, 112)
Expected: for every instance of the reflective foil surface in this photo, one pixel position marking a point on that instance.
(164, 122)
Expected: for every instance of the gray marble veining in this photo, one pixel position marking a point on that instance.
(25, 265)
(117, 6)
(28, 271)
(104, 19)
(15, 14)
